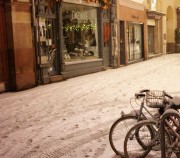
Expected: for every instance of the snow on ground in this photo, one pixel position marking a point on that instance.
(71, 119)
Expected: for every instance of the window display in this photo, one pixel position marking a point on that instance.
(80, 36)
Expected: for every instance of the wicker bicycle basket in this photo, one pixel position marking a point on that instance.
(155, 99)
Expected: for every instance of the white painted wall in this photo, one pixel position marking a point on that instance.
(139, 1)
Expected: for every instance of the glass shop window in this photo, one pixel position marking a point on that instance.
(80, 32)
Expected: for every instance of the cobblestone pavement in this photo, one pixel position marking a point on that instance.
(71, 119)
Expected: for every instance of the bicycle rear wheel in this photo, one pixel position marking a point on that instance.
(145, 131)
(118, 132)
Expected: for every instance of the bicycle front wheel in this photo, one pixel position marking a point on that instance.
(118, 132)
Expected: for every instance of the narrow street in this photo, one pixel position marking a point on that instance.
(72, 118)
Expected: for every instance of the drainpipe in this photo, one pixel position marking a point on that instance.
(114, 36)
(33, 12)
(34, 25)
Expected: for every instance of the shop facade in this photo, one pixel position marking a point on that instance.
(133, 32)
(49, 41)
(72, 39)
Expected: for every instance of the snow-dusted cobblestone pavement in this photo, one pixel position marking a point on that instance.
(71, 119)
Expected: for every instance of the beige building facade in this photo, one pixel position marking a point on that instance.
(45, 41)
(169, 11)
(152, 22)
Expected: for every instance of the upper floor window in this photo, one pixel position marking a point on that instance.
(152, 4)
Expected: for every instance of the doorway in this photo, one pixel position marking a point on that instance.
(47, 40)
(151, 39)
(135, 42)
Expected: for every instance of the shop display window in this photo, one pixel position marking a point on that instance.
(80, 36)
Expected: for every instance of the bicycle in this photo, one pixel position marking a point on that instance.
(149, 131)
(122, 125)
(171, 120)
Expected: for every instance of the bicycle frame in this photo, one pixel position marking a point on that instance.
(140, 113)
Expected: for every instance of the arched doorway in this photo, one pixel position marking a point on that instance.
(170, 29)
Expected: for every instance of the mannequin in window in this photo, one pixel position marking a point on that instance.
(52, 55)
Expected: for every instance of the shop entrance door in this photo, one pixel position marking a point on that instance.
(135, 41)
(122, 44)
(3, 53)
(151, 39)
(47, 33)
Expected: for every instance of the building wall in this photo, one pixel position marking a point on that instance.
(4, 75)
(169, 23)
(130, 11)
(23, 48)
(20, 47)
(3, 53)
(129, 14)
(139, 1)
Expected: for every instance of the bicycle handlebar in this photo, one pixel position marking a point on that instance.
(140, 95)
(167, 95)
